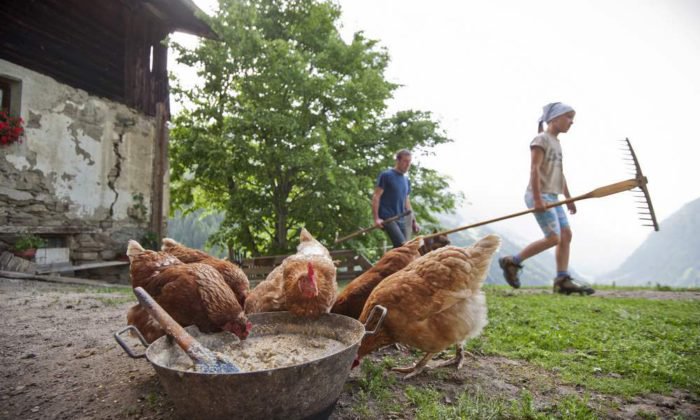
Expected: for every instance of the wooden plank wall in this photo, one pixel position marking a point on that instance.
(102, 47)
(350, 264)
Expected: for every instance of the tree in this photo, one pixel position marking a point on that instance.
(288, 128)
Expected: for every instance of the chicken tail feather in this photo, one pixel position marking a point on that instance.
(134, 248)
(488, 244)
(305, 236)
(169, 243)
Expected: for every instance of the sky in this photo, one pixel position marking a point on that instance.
(630, 69)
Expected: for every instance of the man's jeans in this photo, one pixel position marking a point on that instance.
(396, 232)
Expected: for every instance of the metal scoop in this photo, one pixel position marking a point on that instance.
(205, 360)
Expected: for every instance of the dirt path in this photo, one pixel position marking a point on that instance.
(60, 361)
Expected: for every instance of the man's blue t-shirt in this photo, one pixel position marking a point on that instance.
(396, 188)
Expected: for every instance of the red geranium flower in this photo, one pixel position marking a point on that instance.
(11, 130)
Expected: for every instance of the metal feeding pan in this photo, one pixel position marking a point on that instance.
(300, 391)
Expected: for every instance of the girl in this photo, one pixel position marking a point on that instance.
(547, 181)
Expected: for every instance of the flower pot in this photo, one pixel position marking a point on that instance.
(27, 254)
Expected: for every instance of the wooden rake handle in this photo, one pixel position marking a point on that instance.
(615, 188)
(365, 230)
(171, 327)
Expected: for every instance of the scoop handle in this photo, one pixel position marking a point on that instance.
(171, 327)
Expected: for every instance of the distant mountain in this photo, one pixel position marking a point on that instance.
(538, 270)
(669, 257)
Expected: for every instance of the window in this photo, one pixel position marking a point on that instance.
(10, 95)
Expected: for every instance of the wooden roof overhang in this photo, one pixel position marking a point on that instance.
(109, 48)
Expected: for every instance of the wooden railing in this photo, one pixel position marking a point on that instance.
(349, 263)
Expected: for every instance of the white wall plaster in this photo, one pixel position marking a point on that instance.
(74, 145)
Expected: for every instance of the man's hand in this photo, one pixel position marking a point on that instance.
(539, 205)
(378, 222)
(572, 207)
(415, 226)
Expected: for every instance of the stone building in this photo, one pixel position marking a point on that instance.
(90, 80)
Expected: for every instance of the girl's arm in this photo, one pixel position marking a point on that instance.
(536, 158)
(571, 206)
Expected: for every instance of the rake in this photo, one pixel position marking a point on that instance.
(365, 230)
(639, 182)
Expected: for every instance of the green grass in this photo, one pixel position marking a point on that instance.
(429, 405)
(614, 345)
(116, 301)
(657, 287)
(376, 385)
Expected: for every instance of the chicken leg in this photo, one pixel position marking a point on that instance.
(458, 359)
(418, 368)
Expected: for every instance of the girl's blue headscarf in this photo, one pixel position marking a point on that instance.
(552, 111)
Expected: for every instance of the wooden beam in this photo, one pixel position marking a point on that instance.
(160, 162)
(88, 266)
(48, 230)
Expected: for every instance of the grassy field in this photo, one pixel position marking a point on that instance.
(614, 345)
(618, 349)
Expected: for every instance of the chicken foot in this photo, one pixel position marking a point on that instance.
(417, 369)
(458, 359)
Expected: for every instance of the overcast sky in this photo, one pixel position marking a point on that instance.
(630, 68)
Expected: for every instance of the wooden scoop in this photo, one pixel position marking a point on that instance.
(205, 360)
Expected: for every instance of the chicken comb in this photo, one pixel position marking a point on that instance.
(638, 184)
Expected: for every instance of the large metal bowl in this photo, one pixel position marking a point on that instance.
(307, 390)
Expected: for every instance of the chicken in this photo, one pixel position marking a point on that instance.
(193, 294)
(434, 302)
(233, 275)
(304, 284)
(431, 244)
(352, 299)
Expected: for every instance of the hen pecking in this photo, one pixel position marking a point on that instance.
(233, 275)
(304, 284)
(434, 302)
(191, 293)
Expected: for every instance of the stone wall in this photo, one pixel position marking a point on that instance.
(82, 176)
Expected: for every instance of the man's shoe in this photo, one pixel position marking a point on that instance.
(510, 271)
(566, 285)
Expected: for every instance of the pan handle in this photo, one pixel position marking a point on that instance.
(125, 346)
(377, 308)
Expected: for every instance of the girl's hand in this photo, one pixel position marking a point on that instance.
(572, 207)
(539, 205)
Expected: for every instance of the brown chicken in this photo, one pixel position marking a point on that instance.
(233, 275)
(431, 244)
(352, 299)
(193, 294)
(304, 284)
(434, 302)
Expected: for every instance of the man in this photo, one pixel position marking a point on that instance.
(391, 199)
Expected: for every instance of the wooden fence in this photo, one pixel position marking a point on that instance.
(350, 264)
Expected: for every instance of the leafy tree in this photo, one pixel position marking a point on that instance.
(288, 128)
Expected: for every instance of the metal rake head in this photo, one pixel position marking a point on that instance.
(642, 197)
